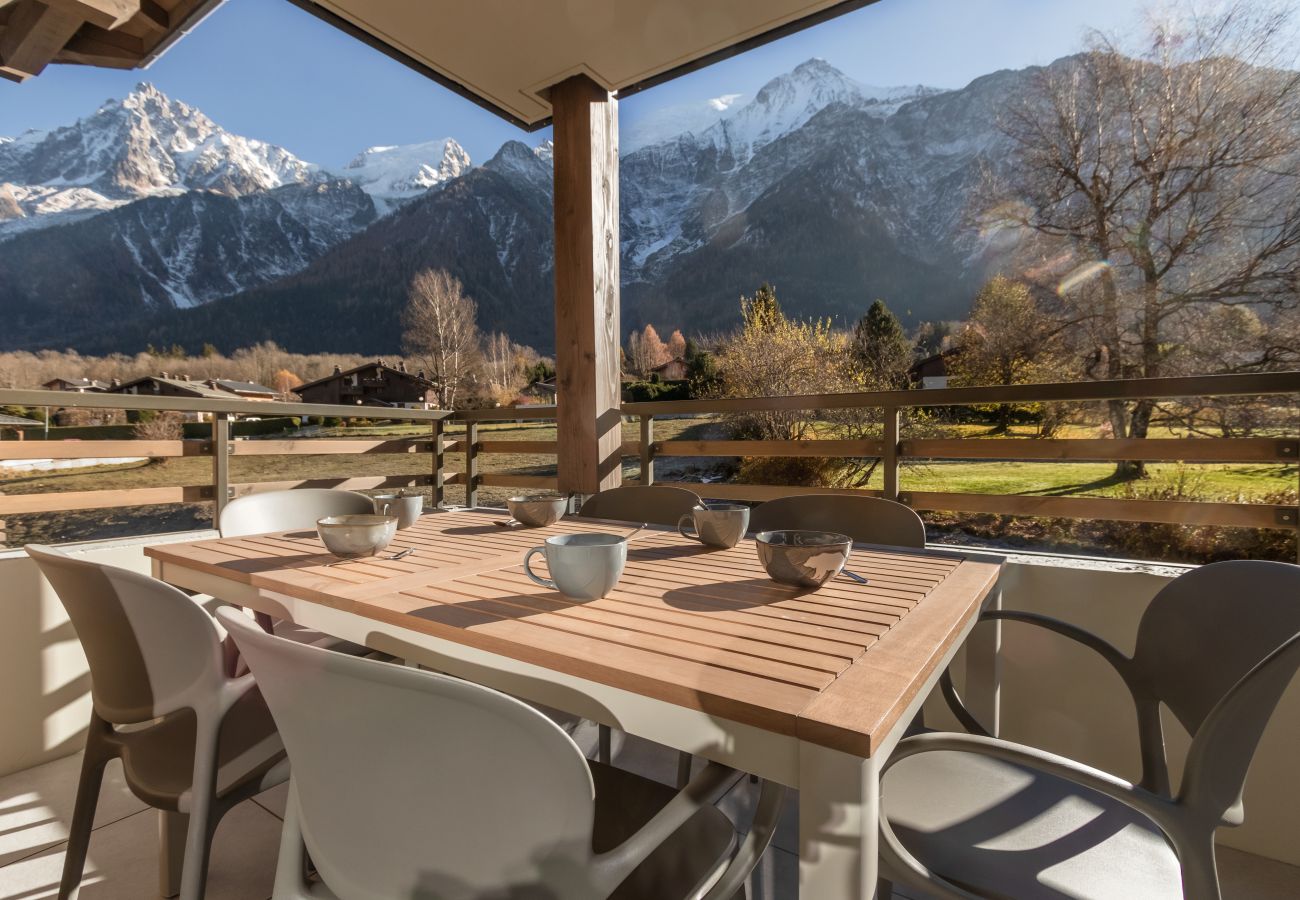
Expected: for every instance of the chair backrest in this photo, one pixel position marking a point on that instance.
(413, 784)
(289, 510)
(151, 649)
(1219, 645)
(657, 504)
(870, 520)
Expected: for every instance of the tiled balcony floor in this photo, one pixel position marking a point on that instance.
(35, 806)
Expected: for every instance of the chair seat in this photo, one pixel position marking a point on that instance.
(157, 759)
(1001, 830)
(692, 858)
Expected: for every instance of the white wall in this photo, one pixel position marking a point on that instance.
(45, 700)
(1055, 695)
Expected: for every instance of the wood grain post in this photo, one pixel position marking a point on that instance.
(588, 419)
(471, 464)
(438, 491)
(220, 465)
(889, 454)
(647, 450)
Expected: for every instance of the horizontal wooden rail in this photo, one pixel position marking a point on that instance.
(504, 414)
(367, 483)
(261, 408)
(62, 501)
(505, 479)
(1081, 391)
(1173, 512)
(541, 448)
(328, 447)
(759, 492)
(100, 449)
(817, 448)
(1148, 449)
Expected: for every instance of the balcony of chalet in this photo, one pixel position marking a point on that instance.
(566, 66)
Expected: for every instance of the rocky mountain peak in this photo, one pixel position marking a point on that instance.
(395, 174)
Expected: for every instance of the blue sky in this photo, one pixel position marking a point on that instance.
(303, 85)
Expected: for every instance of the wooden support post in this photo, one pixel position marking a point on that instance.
(471, 464)
(647, 450)
(33, 35)
(589, 425)
(889, 454)
(220, 465)
(439, 491)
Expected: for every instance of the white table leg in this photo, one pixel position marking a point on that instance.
(839, 799)
(983, 689)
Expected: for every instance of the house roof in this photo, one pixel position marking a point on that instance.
(242, 387)
(676, 360)
(17, 421)
(80, 382)
(194, 388)
(502, 54)
(355, 369)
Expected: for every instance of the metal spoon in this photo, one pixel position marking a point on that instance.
(636, 531)
(407, 552)
(853, 576)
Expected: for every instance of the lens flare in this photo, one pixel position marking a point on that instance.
(1080, 276)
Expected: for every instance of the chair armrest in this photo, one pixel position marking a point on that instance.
(705, 789)
(1107, 651)
(899, 861)
(761, 831)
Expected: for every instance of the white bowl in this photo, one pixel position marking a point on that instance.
(354, 537)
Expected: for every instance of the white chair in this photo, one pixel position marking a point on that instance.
(972, 816)
(410, 784)
(656, 504)
(288, 511)
(868, 520)
(192, 740)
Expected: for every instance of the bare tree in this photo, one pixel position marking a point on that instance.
(1172, 177)
(441, 332)
(645, 350)
(505, 366)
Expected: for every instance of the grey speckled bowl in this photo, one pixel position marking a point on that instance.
(354, 537)
(803, 558)
(538, 510)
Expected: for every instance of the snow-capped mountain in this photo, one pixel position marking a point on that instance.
(144, 145)
(394, 175)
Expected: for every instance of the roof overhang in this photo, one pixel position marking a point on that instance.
(502, 54)
(505, 55)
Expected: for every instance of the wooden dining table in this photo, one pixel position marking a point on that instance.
(696, 648)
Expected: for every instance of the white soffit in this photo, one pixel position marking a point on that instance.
(504, 54)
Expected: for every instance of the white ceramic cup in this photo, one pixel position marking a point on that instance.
(582, 566)
(716, 524)
(407, 509)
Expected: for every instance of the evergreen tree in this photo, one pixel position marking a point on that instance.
(882, 348)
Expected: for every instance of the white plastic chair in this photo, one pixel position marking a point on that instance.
(868, 520)
(657, 504)
(967, 816)
(191, 739)
(297, 509)
(410, 784)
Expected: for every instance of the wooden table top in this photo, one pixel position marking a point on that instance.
(690, 625)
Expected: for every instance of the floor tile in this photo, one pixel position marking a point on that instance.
(274, 800)
(36, 805)
(1245, 876)
(123, 861)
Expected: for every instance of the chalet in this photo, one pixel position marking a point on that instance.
(933, 371)
(77, 385)
(244, 390)
(673, 370)
(373, 384)
(163, 385)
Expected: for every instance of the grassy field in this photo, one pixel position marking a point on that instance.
(1232, 482)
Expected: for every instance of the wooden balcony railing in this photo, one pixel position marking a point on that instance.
(891, 449)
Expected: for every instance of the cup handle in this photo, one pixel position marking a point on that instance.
(387, 507)
(544, 582)
(682, 524)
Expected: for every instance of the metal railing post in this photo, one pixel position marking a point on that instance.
(471, 464)
(220, 464)
(647, 450)
(889, 454)
(438, 490)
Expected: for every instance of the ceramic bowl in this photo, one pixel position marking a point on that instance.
(803, 558)
(538, 510)
(354, 537)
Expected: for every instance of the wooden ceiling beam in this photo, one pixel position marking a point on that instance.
(92, 46)
(33, 36)
(107, 14)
